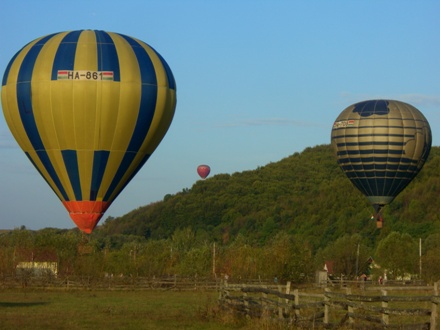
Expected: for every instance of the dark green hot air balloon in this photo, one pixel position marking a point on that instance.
(381, 145)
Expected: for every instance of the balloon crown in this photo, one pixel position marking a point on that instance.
(369, 108)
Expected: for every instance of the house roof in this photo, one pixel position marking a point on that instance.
(36, 255)
(328, 266)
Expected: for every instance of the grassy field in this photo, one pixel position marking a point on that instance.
(145, 309)
(58, 309)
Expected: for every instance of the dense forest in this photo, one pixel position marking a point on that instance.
(305, 195)
(295, 213)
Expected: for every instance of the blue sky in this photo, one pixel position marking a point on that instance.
(257, 81)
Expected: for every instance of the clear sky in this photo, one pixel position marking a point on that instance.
(257, 81)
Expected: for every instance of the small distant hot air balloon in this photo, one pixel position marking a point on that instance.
(203, 171)
(88, 108)
(381, 145)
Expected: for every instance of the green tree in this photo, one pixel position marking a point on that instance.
(183, 240)
(240, 260)
(6, 255)
(156, 258)
(287, 258)
(22, 239)
(431, 265)
(398, 255)
(349, 255)
(196, 262)
(432, 242)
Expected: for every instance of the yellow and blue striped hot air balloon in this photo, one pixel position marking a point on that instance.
(381, 145)
(88, 108)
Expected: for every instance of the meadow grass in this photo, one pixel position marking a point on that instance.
(48, 308)
(84, 309)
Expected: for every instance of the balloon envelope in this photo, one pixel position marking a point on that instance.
(203, 171)
(381, 145)
(88, 108)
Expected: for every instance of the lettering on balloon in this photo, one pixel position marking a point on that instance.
(343, 123)
(84, 75)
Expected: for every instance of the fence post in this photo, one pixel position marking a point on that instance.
(350, 309)
(296, 302)
(264, 303)
(280, 301)
(434, 309)
(385, 316)
(326, 306)
(287, 309)
(221, 288)
(224, 289)
(246, 303)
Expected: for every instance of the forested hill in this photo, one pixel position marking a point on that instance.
(305, 194)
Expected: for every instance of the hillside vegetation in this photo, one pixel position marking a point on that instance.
(305, 195)
(285, 219)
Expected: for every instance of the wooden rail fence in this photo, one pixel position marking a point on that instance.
(173, 282)
(348, 304)
(400, 307)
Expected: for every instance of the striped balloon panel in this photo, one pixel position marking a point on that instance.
(88, 108)
(381, 145)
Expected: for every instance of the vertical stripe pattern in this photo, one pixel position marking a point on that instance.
(88, 108)
(65, 55)
(381, 145)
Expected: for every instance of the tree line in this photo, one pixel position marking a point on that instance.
(187, 253)
(285, 218)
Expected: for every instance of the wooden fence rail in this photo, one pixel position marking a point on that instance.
(408, 307)
(173, 282)
(375, 307)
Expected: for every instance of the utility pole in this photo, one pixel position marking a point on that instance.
(357, 261)
(420, 258)
(213, 260)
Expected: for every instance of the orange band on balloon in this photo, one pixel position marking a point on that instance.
(86, 214)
